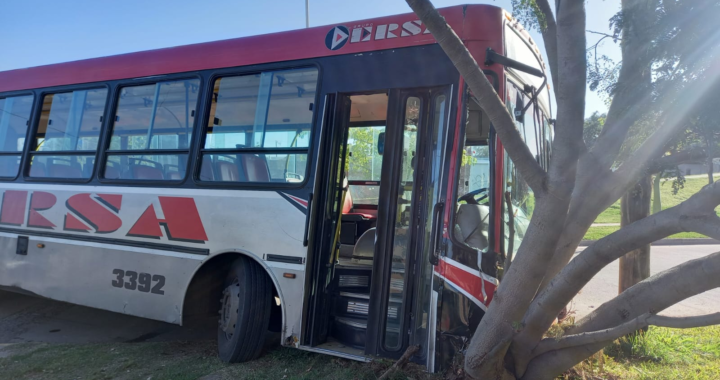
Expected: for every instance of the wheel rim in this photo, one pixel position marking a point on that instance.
(229, 307)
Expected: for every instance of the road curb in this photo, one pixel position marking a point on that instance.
(698, 241)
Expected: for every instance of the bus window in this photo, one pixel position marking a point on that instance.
(270, 113)
(473, 211)
(69, 122)
(521, 196)
(149, 120)
(364, 164)
(14, 121)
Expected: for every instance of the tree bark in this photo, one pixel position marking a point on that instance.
(635, 205)
(653, 295)
(657, 202)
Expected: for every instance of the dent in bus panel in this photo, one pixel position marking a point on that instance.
(158, 167)
(248, 167)
(266, 110)
(14, 122)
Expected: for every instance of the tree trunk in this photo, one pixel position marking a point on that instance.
(657, 202)
(710, 156)
(635, 205)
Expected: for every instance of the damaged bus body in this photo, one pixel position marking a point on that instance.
(337, 184)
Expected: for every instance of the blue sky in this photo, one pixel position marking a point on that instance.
(39, 32)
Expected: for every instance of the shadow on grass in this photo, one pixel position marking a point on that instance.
(181, 361)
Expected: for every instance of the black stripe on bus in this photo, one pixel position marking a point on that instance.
(284, 259)
(129, 243)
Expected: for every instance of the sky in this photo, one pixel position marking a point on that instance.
(40, 32)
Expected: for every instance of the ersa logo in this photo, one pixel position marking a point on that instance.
(338, 36)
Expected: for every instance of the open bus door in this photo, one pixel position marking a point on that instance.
(378, 303)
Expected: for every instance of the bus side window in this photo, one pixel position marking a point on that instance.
(521, 196)
(14, 122)
(149, 120)
(69, 122)
(472, 217)
(270, 113)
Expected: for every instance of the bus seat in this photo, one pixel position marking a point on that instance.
(348, 210)
(37, 169)
(228, 171)
(473, 222)
(255, 168)
(365, 247)
(111, 172)
(206, 170)
(64, 171)
(174, 174)
(146, 172)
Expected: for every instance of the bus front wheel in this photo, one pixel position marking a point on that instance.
(244, 311)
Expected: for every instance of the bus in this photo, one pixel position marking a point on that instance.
(338, 185)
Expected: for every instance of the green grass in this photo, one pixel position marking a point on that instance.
(181, 361)
(668, 199)
(660, 353)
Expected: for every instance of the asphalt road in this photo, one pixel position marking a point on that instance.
(603, 287)
(30, 319)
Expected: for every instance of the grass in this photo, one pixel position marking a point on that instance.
(181, 361)
(658, 354)
(668, 199)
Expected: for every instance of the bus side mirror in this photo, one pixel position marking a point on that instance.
(381, 143)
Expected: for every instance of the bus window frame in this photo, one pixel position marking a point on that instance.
(458, 159)
(35, 124)
(200, 137)
(106, 137)
(31, 120)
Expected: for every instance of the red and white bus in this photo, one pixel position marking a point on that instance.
(336, 184)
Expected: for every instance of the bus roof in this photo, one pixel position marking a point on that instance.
(347, 38)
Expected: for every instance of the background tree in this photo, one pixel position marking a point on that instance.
(662, 41)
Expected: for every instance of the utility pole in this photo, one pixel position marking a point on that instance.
(307, 13)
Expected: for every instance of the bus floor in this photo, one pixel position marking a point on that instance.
(333, 347)
(25, 318)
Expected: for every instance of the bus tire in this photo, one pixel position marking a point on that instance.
(244, 311)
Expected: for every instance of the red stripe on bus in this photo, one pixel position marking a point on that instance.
(469, 282)
(276, 47)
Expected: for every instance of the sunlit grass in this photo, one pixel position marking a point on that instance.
(660, 353)
(668, 199)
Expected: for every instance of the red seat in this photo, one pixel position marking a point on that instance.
(349, 214)
(146, 172)
(255, 168)
(228, 171)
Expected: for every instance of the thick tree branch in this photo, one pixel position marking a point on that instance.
(608, 335)
(481, 88)
(695, 214)
(603, 187)
(649, 296)
(675, 159)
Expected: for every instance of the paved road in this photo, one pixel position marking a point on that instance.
(30, 319)
(604, 286)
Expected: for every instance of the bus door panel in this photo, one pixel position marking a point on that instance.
(402, 269)
(328, 190)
